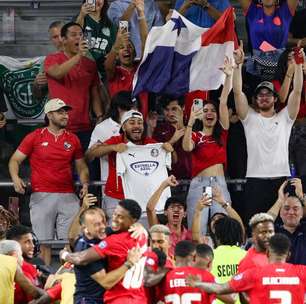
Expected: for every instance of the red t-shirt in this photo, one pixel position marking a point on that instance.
(113, 186)
(55, 292)
(115, 248)
(274, 283)
(253, 259)
(30, 272)
(74, 88)
(176, 291)
(123, 81)
(207, 152)
(51, 159)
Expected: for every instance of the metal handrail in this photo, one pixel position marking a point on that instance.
(102, 183)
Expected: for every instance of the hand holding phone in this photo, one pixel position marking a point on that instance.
(92, 5)
(197, 104)
(298, 55)
(207, 191)
(124, 26)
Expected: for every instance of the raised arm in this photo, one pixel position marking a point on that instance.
(143, 26)
(292, 5)
(285, 88)
(203, 202)
(58, 71)
(274, 210)
(187, 143)
(99, 150)
(110, 61)
(295, 95)
(241, 102)
(14, 164)
(227, 87)
(151, 214)
(85, 10)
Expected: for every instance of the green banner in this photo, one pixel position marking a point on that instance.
(16, 80)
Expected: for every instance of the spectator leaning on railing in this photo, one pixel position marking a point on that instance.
(51, 151)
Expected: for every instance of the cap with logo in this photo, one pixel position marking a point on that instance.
(267, 85)
(128, 115)
(55, 104)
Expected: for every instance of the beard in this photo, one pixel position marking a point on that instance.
(129, 136)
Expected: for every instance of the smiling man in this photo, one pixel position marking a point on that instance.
(267, 135)
(51, 151)
(130, 289)
(132, 132)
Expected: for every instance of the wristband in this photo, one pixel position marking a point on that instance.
(64, 255)
(225, 205)
(128, 264)
(141, 18)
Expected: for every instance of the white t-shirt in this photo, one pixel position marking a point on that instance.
(267, 144)
(142, 169)
(102, 132)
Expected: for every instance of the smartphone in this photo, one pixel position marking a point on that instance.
(197, 104)
(289, 188)
(88, 36)
(207, 191)
(92, 3)
(123, 26)
(298, 57)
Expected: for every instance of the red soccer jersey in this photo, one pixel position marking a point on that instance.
(113, 186)
(30, 272)
(51, 160)
(273, 284)
(207, 152)
(175, 289)
(253, 259)
(123, 81)
(115, 249)
(74, 88)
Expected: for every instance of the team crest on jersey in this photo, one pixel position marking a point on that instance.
(145, 167)
(106, 31)
(102, 244)
(67, 146)
(45, 144)
(154, 152)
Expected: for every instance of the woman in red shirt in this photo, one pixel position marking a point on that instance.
(120, 76)
(208, 148)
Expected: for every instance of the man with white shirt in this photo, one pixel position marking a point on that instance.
(110, 126)
(132, 130)
(267, 134)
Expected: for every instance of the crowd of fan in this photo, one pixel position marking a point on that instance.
(150, 240)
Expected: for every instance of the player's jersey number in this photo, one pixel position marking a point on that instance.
(133, 278)
(283, 295)
(186, 298)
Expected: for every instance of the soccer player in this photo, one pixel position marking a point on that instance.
(115, 249)
(277, 282)
(174, 288)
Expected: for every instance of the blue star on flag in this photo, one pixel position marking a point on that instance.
(178, 24)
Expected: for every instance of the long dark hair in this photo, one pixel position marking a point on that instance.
(104, 20)
(217, 130)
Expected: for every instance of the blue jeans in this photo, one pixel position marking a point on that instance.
(196, 191)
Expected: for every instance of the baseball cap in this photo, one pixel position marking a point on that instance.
(55, 104)
(129, 114)
(265, 84)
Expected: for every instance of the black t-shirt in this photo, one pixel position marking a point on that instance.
(3, 107)
(85, 286)
(298, 24)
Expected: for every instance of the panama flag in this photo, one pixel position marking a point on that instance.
(181, 57)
